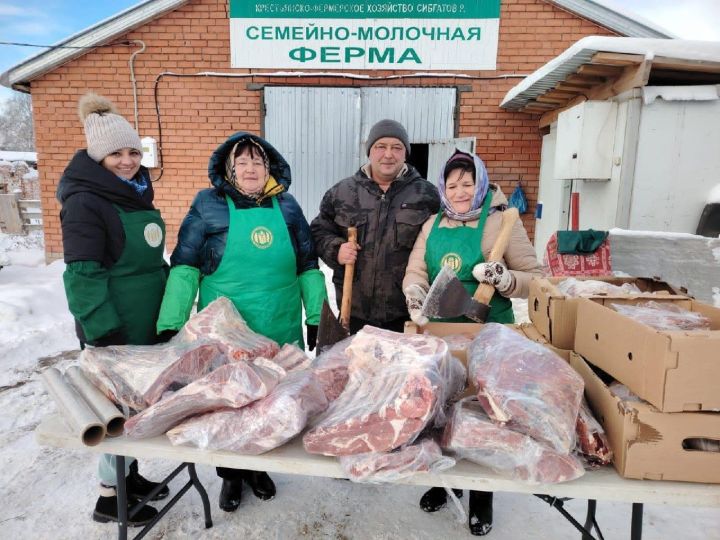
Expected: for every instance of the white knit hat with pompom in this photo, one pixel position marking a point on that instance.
(105, 130)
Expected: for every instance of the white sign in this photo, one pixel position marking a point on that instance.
(365, 35)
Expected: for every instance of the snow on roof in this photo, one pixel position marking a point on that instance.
(654, 234)
(555, 71)
(699, 92)
(11, 155)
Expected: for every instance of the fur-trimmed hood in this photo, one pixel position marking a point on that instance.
(279, 168)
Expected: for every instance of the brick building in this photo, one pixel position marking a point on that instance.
(184, 71)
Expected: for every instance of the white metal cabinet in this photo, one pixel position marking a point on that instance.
(585, 138)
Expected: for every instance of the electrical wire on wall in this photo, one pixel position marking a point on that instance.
(284, 75)
(131, 63)
(300, 75)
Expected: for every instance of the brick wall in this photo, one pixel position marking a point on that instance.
(199, 113)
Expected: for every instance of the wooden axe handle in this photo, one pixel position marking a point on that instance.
(485, 291)
(348, 284)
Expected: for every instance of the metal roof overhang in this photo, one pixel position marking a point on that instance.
(600, 67)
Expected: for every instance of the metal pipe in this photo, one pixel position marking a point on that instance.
(105, 409)
(78, 414)
(575, 211)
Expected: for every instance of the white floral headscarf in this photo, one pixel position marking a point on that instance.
(482, 183)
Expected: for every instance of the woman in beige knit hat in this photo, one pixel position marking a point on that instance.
(113, 244)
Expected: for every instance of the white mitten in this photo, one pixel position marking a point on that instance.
(496, 274)
(414, 298)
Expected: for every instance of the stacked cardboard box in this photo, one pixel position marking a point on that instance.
(677, 374)
(673, 434)
(553, 313)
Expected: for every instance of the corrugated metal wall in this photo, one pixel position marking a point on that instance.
(322, 131)
(426, 113)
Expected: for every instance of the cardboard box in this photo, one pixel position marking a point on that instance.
(443, 329)
(675, 371)
(647, 443)
(531, 332)
(554, 314)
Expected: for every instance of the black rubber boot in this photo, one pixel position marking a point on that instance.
(436, 498)
(261, 484)
(480, 514)
(139, 487)
(106, 510)
(230, 495)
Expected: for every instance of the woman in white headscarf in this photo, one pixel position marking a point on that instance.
(462, 235)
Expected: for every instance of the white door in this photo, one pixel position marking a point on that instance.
(553, 194)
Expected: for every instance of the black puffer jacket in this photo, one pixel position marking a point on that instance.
(388, 223)
(91, 227)
(203, 233)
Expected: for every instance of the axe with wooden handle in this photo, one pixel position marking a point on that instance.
(448, 297)
(332, 330)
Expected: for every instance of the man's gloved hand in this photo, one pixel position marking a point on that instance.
(312, 330)
(496, 274)
(116, 337)
(414, 298)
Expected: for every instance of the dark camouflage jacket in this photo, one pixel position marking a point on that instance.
(387, 224)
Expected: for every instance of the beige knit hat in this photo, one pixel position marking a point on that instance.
(105, 130)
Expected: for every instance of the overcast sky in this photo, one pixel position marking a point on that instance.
(48, 21)
(689, 19)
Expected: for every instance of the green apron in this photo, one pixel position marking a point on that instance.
(258, 273)
(459, 248)
(137, 279)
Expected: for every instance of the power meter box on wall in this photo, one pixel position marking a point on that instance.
(150, 152)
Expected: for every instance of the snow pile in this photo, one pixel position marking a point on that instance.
(22, 250)
(34, 319)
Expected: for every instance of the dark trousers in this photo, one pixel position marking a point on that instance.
(396, 325)
(230, 474)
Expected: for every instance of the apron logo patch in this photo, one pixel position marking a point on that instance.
(261, 237)
(453, 260)
(153, 234)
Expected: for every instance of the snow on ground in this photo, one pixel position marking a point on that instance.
(49, 493)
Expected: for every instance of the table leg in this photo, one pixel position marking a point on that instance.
(637, 521)
(558, 503)
(590, 518)
(203, 494)
(121, 492)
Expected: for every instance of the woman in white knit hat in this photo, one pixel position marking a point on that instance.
(113, 244)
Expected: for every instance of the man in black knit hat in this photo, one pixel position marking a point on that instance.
(388, 201)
